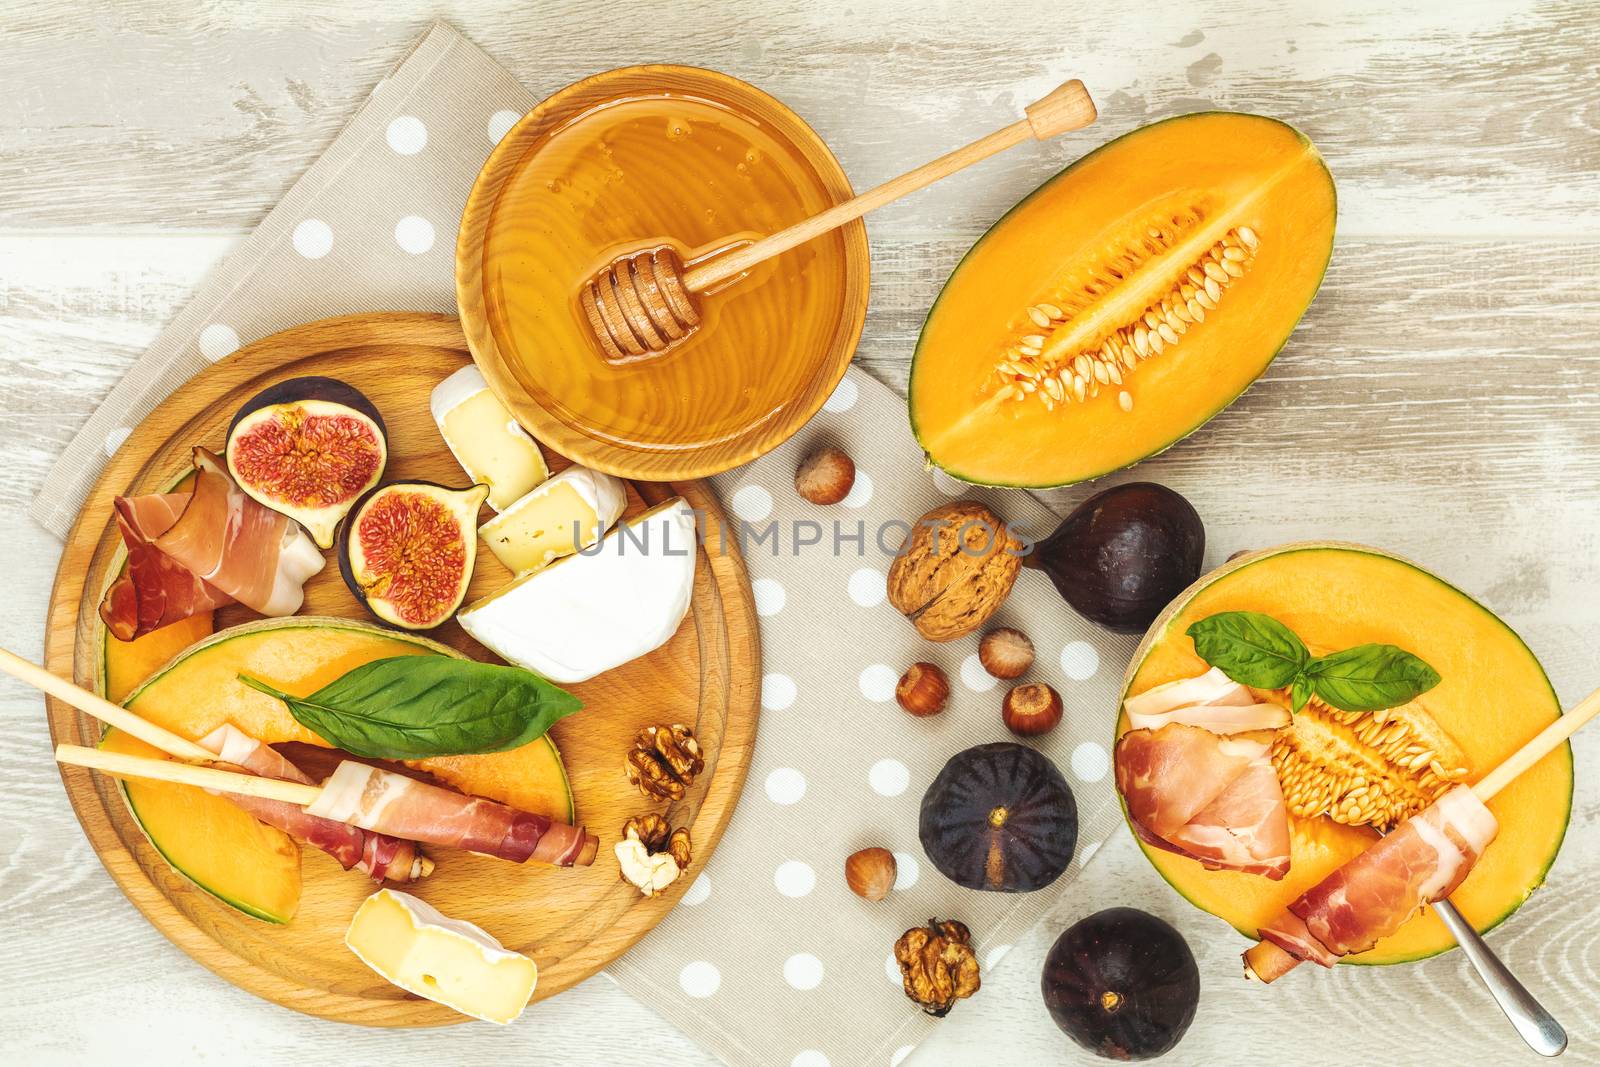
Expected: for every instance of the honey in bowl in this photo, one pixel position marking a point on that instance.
(697, 163)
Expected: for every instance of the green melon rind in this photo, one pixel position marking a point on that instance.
(1159, 628)
(245, 629)
(237, 905)
(1018, 206)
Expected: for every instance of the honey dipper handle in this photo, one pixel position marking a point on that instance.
(1067, 108)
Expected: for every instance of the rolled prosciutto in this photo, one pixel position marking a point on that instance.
(391, 803)
(153, 590)
(1196, 774)
(1421, 861)
(255, 555)
(378, 856)
(191, 552)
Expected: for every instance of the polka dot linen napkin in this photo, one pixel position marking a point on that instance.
(769, 959)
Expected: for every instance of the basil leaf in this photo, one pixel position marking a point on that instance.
(1370, 677)
(1299, 692)
(411, 707)
(1251, 648)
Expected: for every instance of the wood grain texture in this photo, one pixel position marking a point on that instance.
(1439, 399)
(707, 675)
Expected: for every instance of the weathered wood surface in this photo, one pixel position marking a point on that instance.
(1442, 399)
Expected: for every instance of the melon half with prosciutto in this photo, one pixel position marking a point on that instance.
(1493, 697)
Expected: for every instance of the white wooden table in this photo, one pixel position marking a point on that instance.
(1441, 399)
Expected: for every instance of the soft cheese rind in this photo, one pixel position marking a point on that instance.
(598, 609)
(411, 944)
(485, 438)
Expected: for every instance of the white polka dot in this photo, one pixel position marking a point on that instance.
(414, 234)
(407, 135)
(778, 692)
(786, 786)
(1079, 661)
(860, 492)
(500, 124)
(906, 870)
(1089, 762)
(770, 596)
(892, 970)
(948, 485)
(843, 397)
(877, 683)
(700, 979)
(868, 587)
(752, 503)
(803, 971)
(313, 238)
(697, 893)
(1087, 851)
(809, 1058)
(900, 1055)
(888, 777)
(794, 879)
(115, 438)
(995, 955)
(974, 677)
(217, 341)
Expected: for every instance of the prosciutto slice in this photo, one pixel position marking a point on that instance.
(391, 803)
(1421, 861)
(250, 552)
(195, 551)
(1196, 774)
(152, 591)
(378, 856)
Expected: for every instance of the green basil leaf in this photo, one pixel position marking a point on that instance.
(1370, 677)
(1299, 692)
(1251, 648)
(412, 707)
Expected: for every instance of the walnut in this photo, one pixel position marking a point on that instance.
(955, 569)
(937, 965)
(664, 761)
(651, 854)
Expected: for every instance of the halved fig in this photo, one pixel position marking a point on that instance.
(407, 550)
(308, 447)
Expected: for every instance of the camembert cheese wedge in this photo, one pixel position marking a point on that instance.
(486, 439)
(411, 944)
(569, 512)
(599, 608)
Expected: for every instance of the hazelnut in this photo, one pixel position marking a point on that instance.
(870, 873)
(1031, 710)
(825, 476)
(1005, 653)
(923, 689)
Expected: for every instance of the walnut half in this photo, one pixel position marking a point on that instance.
(937, 965)
(664, 762)
(651, 854)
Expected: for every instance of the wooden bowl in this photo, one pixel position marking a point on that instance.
(772, 348)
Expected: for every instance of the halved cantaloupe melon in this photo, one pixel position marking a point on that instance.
(1493, 697)
(125, 664)
(1124, 303)
(202, 836)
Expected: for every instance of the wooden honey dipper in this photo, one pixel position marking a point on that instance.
(644, 303)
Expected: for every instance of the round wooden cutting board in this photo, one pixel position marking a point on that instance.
(572, 922)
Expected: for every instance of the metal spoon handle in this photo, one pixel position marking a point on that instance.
(1536, 1025)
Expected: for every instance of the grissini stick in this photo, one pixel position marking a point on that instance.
(382, 856)
(645, 303)
(1267, 961)
(379, 800)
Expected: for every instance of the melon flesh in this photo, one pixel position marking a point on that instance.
(1196, 181)
(1493, 697)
